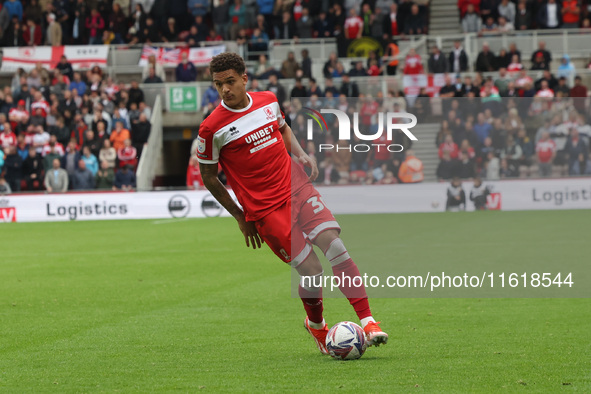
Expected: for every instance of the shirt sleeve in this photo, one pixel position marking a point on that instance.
(207, 151)
(280, 115)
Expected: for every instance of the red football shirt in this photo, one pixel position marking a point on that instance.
(249, 146)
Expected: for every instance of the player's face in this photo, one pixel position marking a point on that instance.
(231, 88)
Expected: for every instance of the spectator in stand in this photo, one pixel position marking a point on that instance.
(566, 68)
(192, 39)
(152, 77)
(413, 63)
(348, 88)
(447, 168)
(4, 186)
(298, 90)
(504, 25)
(237, 18)
(53, 36)
(471, 23)
(70, 159)
(485, 62)
(194, 180)
(14, 8)
(515, 66)
(221, 17)
(507, 10)
(489, 27)
(546, 152)
(482, 128)
(458, 60)
(12, 168)
(314, 89)
(170, 33)
(56, 178)
(550, 15)
(124, 179)
(119, 135)
(437, 63)
(489, 9)
(411, 169)
(150, 33)
(290, 66)
(322, 27)
(522, 17)
(448, 146)
(276, 88)
(7, 137)
(136, 95)
(152, 64)
(33, 170)
(90, 160)
(32, 34)
(105, 177)
(358, 70)
(127, 155)
(579, 94)
(14, 35)
(108, 154)
(210, 99)
(353, 25)
(65, 68)
(82, 179)
(185, 70)
(574, 148)
(304, 24)
(415, 24)
(95, 25)
(141, 133)
(259, 42)
(571, 13)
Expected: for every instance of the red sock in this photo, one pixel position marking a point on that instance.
(312, 304)
(356, 295)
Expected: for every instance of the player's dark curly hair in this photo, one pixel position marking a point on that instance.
(227, 61)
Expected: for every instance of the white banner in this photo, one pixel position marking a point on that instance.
(79, 56)
(172, 56)
(108, 206)
(507, 195)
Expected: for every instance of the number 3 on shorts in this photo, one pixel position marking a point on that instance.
(316, 204)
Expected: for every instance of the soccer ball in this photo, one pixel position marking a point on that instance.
(346, 341)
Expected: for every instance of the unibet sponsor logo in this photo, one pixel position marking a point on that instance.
(83, 210)
(261, 138)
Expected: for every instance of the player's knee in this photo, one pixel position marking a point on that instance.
(336, 252)
(311, 283)
(310, 266)
(325, 238)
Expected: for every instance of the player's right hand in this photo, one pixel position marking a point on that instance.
(251, 235)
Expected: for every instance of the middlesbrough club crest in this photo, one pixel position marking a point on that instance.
(269, 113)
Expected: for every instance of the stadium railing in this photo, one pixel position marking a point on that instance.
(152, 151)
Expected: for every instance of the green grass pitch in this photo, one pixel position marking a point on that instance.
(183, 306)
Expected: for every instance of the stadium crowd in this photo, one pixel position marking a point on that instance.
(501, 16)
(62, 22)
(70, 130)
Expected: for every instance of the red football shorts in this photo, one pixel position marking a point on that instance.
(290, 229)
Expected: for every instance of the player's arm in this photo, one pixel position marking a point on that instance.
(209, 174)
(293, 147)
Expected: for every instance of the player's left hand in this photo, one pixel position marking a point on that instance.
(251, 235)
(311, 163)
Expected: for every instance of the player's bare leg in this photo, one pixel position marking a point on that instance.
(310, 290)
(342, 264)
